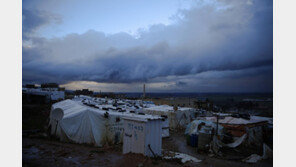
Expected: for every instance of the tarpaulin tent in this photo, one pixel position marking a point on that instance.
(72, 121)
(177, 118)
(237, 127)
(207, 127)
(204, 130)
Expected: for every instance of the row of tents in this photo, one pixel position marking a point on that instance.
(85, 119)
(100, 121)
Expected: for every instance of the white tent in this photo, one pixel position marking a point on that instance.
(72, 121)
(179, 118)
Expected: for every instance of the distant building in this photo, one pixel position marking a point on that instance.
(84, 92)
(45, 93)
(30, 86)
(111, 95)
(39, 95)
(61, 89)
(49, 85)
(179, 102)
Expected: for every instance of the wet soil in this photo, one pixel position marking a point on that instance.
(43, 151)
(177, 142)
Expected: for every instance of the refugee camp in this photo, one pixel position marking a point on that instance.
(141, 83)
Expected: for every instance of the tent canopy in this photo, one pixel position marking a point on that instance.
(72, 121)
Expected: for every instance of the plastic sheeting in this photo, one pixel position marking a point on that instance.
(240, 121)
(179, 118)
(237, 142)
(72, 121)
(184, 157)
(192, 128)
(234, 144)
(267, 153)
(252, 158)
(255, 136)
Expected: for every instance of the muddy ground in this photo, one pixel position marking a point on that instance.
(38, 149)
(42, 151)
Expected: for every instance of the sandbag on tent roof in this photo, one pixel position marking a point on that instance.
(73, 121)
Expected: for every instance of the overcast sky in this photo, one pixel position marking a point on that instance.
(171, 45)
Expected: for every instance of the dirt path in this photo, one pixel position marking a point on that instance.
(54, 153)
(45, 152)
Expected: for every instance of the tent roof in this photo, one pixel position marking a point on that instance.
(239, 121)
(71, 108)
(166, 108)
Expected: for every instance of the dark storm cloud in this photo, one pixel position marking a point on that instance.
(34, 19)
(237, 37)
(181, 83)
